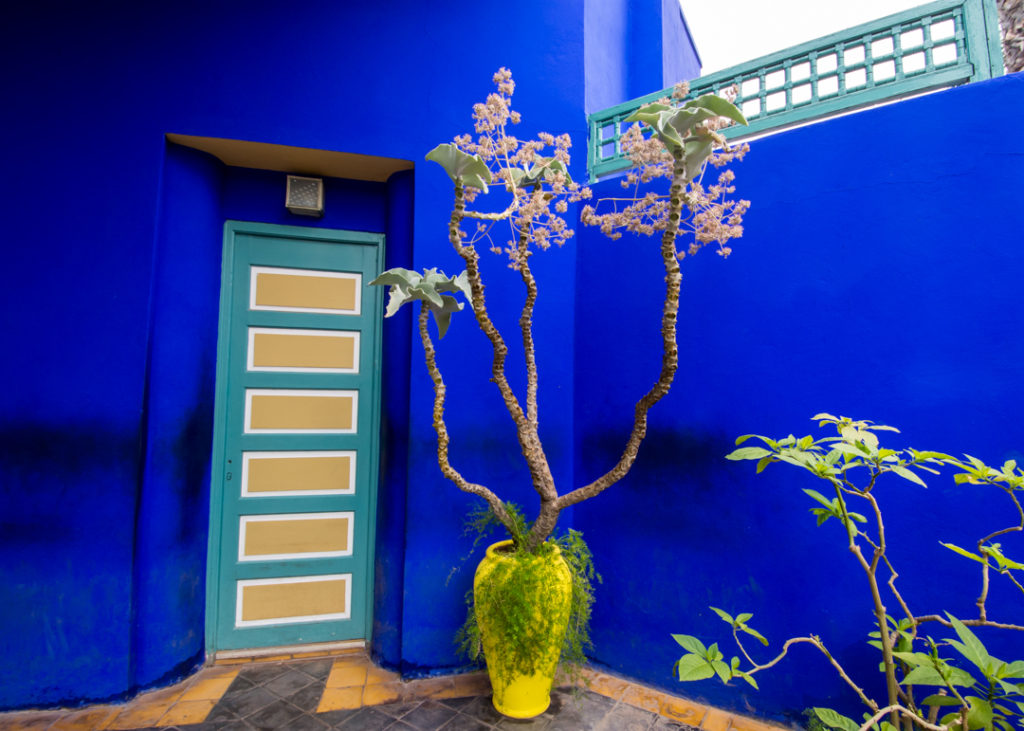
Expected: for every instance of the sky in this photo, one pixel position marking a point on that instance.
(729, 32)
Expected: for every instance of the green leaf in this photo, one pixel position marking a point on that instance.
(744, 617)
(749, 678)
(748, 453)
(691, 643)
(697, 151)
(836, 720)
(940, 700)
(924, 675)
(1014, 669)
(764, 462)
(972, 647)
(720, 107)
(443, 315)
(908, 475)
(824, 418)
(755, 633)
(965, 553)
(461, 166)
(693, 667)
(726, 617)
(980, 714)
(722, 670)
(828, 504)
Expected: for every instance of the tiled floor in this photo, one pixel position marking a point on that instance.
(348, 692)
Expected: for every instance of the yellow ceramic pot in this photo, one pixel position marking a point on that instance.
(522, 607)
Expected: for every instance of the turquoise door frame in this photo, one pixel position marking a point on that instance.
(309, 536)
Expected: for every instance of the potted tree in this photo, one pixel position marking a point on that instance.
(530, 587)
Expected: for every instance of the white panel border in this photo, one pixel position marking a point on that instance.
(254, 331)
(256, 271)
(244, 521)
(247, 456)
(301, 619)
(319, 392)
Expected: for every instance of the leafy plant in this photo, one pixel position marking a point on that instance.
(952, 683)
(506, 600)
(532, 178)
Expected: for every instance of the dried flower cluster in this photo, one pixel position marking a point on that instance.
(710, 215)
(534, 172)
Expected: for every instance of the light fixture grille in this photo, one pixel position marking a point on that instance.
(305, 196)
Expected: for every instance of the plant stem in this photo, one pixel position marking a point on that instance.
(442, 430)
(529, 443)
(670, 349)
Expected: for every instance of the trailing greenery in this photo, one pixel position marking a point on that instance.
(949, 682)
(510, 598)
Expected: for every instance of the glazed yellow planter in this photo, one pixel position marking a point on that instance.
(543, 586)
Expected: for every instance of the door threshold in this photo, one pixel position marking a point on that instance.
(285, 652)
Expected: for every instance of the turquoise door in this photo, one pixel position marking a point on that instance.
(295, 449)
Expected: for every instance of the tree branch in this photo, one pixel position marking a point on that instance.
(442, 430)
(670, 349)
(529, 442)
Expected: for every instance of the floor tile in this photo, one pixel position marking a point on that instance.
(289, 683)
(247, 702)
(366, 719)
(316, 669)
(375, 695)
(138, 716)
(376, 675)
(208, 689)
(29, 722)
(715, 720)
(465, 723)
(429, 716)
(187, 712)
(88, 719)
(307, 699)
(627, 718)
(684, 711)
(346, 676)
(334, 699)
(277, 715)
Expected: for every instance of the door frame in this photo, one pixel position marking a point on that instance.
(216, 514)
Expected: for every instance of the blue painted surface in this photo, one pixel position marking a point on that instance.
(109, 290)
(878, 278)
(112, 259)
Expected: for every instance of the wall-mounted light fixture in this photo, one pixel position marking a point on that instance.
(305, 196)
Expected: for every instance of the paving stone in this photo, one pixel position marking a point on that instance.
(626, 718)
(458, 703)
(262, 673)
(288, 683)
(277, 715)
(366, 719)
(245, 703)
(335, 719)
(663, 724)
(465, 723)
(482, 709)
(316, 669)
(308, 698)
(429, 716)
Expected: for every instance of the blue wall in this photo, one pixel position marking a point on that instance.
(878, 278)
(108, 296)
(877, 224)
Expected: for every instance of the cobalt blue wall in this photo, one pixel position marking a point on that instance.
(878, 278)
(632, 49)
(109, 288)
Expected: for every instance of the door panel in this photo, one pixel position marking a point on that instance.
(295, 453)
